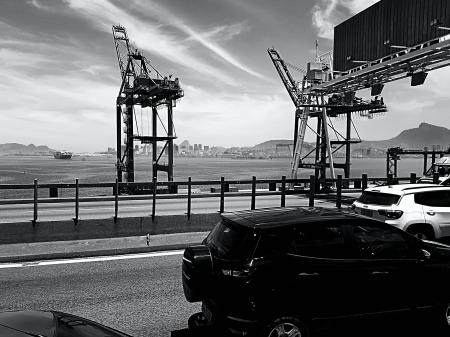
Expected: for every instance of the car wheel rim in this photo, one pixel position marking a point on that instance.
(447, 314)
(285, 330)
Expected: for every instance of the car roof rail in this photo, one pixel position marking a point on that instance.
(422, 187)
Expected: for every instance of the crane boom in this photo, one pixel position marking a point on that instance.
(283, 71)
(123, 48)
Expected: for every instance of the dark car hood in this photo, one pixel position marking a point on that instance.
(31, 322)
(441, 247)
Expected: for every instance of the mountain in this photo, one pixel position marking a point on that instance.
(281, 147)
(426, 135)
(272, 144)
(15, 148)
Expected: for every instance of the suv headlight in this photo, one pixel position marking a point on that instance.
(390, 213)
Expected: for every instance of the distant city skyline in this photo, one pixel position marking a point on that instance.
(60, 75)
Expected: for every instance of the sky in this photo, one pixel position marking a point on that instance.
(60, 76)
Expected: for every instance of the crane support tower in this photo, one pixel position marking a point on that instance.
(142, 85)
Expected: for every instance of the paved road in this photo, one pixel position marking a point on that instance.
(142, 296)
(133, 208)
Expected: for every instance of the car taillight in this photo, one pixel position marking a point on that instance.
(236, 273)
(390, 213)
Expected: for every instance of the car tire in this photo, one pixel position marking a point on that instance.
(285, 326)
(444, 317)
(197, 321)
(422, 233)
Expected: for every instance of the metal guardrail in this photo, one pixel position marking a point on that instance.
(308, 186)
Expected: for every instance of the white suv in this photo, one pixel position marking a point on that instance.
(420, 209)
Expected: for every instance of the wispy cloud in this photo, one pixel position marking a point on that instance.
(223, 33)
(154, 36)
(206, 42)
(329, 13)
(53, 109)
(220, 113)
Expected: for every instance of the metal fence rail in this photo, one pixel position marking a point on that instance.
(221, 189)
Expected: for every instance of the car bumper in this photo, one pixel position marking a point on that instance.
(238, 324)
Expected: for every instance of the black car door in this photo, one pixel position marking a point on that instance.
(323, 268)
(388, 266)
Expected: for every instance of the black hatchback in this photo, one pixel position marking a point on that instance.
(280, 271)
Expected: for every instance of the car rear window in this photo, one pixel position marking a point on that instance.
(231, 241)
(377, 198)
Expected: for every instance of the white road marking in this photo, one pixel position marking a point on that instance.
(89, 259)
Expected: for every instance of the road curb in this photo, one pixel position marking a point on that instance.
(93, 253)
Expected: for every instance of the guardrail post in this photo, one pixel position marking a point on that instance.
(253, 204)
(77, 201)
(189, 199)
(53, 192)
(435, 178)
(222, 194)
(283, 191)
(412, 178)
(116, 200)
(154, 200)
(339, 191)
(363, 182)
(390, 179)
(312, 187)
(35, 202)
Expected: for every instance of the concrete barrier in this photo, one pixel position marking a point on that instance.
(26, 232)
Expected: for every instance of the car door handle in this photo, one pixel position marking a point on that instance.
(378, 272)
(308, 274)
(431, 213)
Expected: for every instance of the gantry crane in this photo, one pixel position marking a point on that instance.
(309, 103)
(142, 85)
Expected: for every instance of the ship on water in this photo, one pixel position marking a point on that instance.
(62, 155)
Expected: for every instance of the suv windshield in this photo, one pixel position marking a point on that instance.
(376, 198)
(231, 241)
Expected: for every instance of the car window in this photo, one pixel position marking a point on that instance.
(376, 242)
(71, 326)
(320, 240)
(377, 198)
(433, 198)
(232, 242)
(271, 244)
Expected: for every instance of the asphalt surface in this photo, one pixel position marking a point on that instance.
(137, 208)
(141, 296)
